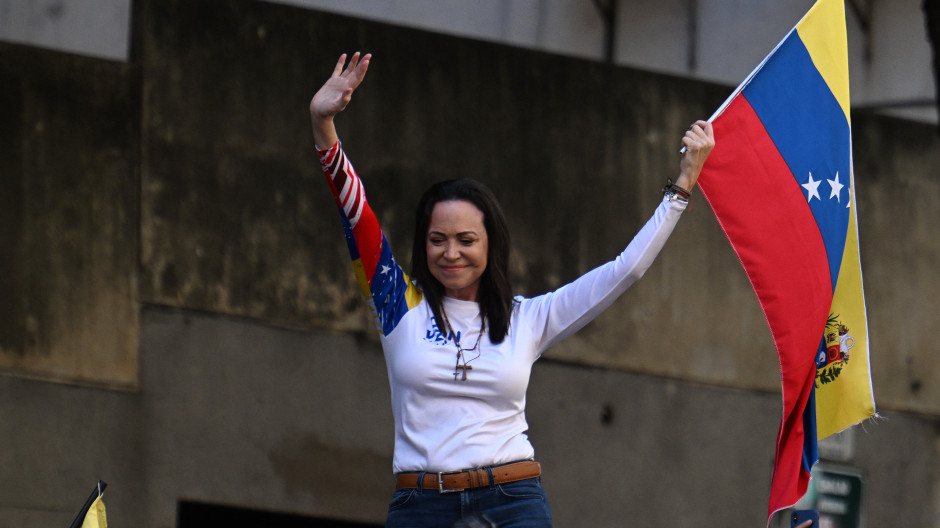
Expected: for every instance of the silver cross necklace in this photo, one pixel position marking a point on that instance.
(462, 361)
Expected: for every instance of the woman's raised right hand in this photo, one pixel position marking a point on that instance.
(335, 94)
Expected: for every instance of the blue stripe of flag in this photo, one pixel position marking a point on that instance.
(810, 129)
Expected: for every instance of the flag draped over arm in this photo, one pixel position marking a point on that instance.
(781, 183)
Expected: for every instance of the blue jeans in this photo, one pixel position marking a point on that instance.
(520, 504)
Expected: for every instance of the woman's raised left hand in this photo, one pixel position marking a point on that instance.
(699, 140)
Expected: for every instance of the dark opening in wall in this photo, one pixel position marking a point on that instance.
(199, 515)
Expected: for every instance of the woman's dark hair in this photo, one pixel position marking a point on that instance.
(494, 294)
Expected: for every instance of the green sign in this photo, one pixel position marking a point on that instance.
(836, 492)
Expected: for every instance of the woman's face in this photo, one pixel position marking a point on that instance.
(457, 247)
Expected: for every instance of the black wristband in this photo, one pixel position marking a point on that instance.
(677, 191)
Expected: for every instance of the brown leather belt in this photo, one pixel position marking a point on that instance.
(449, 482)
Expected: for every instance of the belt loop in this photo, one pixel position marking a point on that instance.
(421, 481)
(489, 471)
(478, 478)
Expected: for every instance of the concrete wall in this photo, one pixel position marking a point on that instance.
(69, 209)
(714, 40)
(260, 382)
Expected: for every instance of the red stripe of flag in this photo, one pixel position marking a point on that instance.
(764, 212)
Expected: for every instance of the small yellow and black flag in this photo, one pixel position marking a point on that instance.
(92, 514)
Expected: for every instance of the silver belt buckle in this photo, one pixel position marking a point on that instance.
(440, 482)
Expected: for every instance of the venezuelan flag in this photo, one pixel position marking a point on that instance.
(780, 181)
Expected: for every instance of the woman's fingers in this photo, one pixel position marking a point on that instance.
(357, 69)
(699, 135)
(338, 69)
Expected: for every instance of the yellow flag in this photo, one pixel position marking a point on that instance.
(96, 518)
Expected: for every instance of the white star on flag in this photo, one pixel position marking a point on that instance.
(812, 188)
(836, 188)
(385, 269)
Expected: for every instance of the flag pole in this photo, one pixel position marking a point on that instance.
(95, 493)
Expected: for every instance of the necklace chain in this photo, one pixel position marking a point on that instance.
(461, 352)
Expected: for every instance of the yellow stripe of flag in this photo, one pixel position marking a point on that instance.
(848, 399)
(827, 46)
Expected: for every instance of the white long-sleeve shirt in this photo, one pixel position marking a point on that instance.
(442, 422)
